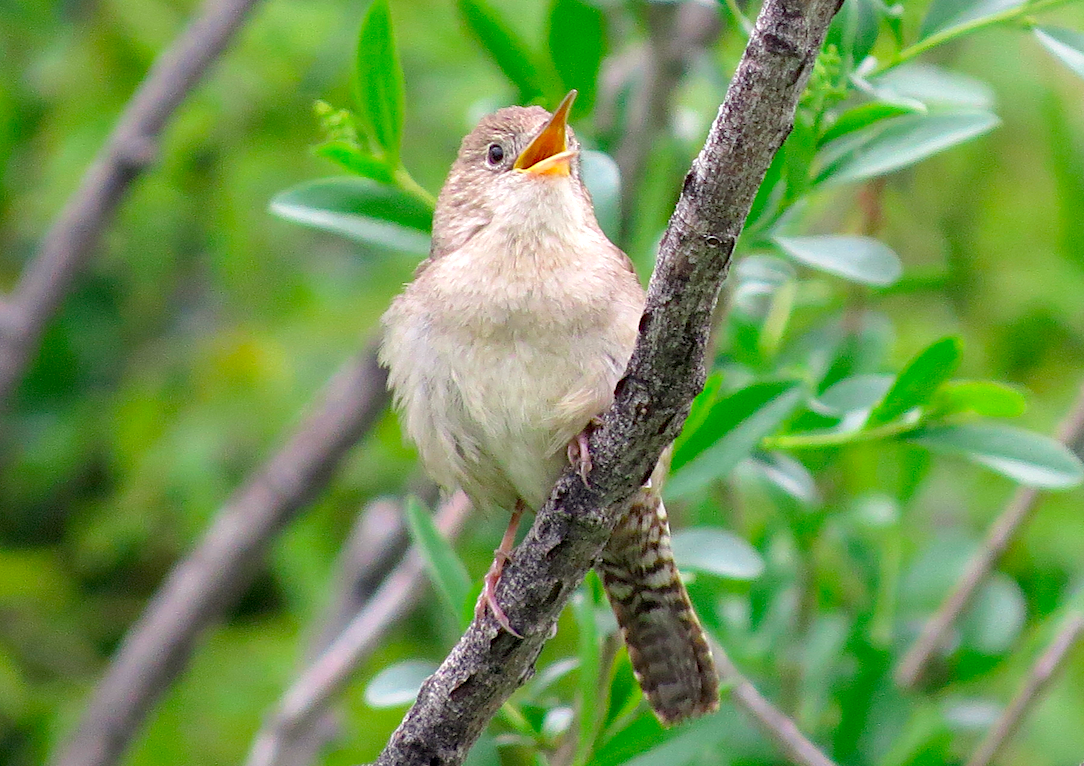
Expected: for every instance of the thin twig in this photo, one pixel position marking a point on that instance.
(771, 720)
(911, 668)
(313, 690)
(677, 34)
(651, 401)
(1042, 672)
(212, 577)
(375, 544)
(130, 148)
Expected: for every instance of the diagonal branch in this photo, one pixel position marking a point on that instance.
(212, 576)
(1001, 534)
(770, 719)
(652, 400)
(1039, 677)
(130, 148)
(321, 681)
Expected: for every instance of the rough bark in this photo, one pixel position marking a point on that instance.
(665, 373)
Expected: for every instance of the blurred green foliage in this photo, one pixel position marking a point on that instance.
(204, 325)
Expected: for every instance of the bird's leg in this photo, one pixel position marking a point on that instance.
(493, 576)
(579, 456)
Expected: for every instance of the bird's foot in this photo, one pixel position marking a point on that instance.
(579, 455)
(489, 594)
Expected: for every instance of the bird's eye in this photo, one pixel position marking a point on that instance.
(494, 155)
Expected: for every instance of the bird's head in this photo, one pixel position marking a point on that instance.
(519, 166)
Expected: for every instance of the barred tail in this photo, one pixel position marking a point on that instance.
(666, 643)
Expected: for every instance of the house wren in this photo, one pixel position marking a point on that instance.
(508, 344)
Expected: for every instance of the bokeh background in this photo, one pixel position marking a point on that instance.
(204, 325)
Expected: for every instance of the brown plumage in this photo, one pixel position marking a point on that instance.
(507, 344)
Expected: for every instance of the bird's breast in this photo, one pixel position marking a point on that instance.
(501, 352)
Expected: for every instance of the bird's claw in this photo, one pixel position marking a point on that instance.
(489, 595)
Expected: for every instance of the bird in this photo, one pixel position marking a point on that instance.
(506, 348)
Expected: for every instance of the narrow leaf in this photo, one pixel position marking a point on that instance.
(893, 144)
(397, 685)
(735, 441)
(361, 210)
(859, 259)
(863, 116)
(351, 159)
(1023, 456)
(717, 552)
(719, 415)
(933, 86)
(983, 397)
(858, 392)
(788, 474)
(1066, 44)
(508, 51)
(943, 15)
(918, 381)
(445, 568)
(583, 608)
(577, 43)
(380, 86)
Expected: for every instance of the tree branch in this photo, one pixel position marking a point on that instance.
(651, 401)
(677, 34)
(1042, 672)
(377, 541)
(1003, 531)
(774, 723)
(130, 148)
(211, 578)
(325, 678)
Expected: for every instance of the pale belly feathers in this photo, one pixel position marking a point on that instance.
(496, 365)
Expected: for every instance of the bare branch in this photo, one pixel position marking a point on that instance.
(130, 148)
(651, 401)
(325, 678)
(677, 33)
(376, 542)
(1003, 531)
(211, 578)
(781, 729)
(1042, 672)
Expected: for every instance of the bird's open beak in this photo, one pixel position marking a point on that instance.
(548, 154)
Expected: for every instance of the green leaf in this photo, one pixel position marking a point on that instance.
(983, 397)
(718, 415)
(918, 381)
(603, 181)
(1023, 456)
(943, 15)
(445, 568)
(583, 608)
(351, 159)
(380, 88)
(854, 29)
(993, 622)
(859, 259)
(361, 210)
(933, 86)
(890, 145)
(577, 43)
(729, 434)
(717, 552)
(788, 474)
(856, 393)
(863, 116)
(514, 58)
(397, 685)
(1066, 44)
